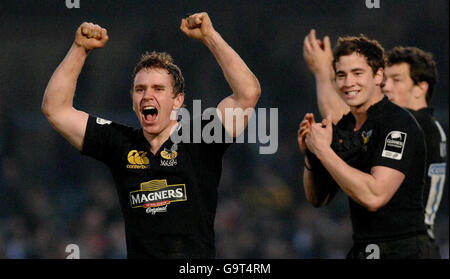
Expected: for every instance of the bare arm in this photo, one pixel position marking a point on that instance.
(243, 83)
(319, 57)
(57, 104)
(319, 187)
(371, 190)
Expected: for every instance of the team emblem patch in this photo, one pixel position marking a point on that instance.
(169, 157)
(366, 136)
(394, 145)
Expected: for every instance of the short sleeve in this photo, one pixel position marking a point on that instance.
(103, 138)
(400, 144)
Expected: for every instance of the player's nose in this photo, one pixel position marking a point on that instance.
(148, 95)
(349, 81)
(386, 86)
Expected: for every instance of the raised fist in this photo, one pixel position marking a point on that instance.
(197, 26)
(91, 36)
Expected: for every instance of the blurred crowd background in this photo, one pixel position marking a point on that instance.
(51, 196)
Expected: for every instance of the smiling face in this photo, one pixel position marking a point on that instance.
(154, 100)
(356, 81)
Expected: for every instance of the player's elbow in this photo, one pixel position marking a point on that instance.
(50, 113)
(46, 109)
(251, 96)
(53, 114)
(313, 201)
(317, 201)
(375, 203)
(248, 97)
(53, 110)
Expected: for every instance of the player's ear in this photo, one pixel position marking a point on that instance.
(379, 75)
(178, 101)
(420, 90)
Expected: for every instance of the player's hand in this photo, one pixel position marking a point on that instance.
(318, 54)
(91, 36)
(320, 136)
(197, 26)
(304, 127)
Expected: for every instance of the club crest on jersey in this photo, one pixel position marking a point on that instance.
(366, 136)
(156, 195)
(137, 160)
(394, 145)
(169, 157)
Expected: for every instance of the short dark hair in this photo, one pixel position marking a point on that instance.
(370, 49)
(161, 60)
(422, 66)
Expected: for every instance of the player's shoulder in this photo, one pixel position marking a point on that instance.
(113, 127)
(427, 121)
(395, 115)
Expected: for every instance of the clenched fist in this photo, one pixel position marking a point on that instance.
(197, 26)
(91, 36)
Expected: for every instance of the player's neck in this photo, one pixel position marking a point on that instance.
(157, 140)
(360, 112)
(418, 104)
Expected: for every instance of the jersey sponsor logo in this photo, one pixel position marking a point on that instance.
(394, 145)
(101, 121)
(169, 157)
(137, 160)
(156, 195)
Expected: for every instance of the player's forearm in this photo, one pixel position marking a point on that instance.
(244, 84)
(316, 192)
(60, 90)
(359, 186)
(328, 99)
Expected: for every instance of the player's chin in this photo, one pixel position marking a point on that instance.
(353, 101)
(151, 129)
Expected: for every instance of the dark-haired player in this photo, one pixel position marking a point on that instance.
(167, 190)
(410, 77)
(385, 182)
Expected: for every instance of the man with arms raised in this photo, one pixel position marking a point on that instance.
(167, 190)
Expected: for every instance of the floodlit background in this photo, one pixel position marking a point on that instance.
(51, 196)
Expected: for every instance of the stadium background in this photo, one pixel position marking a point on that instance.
(50, 196)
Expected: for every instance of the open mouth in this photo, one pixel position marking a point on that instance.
(150, 113)
(351, 93)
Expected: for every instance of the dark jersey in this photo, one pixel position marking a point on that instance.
(435, 164)
(168, 199)
(391, 138)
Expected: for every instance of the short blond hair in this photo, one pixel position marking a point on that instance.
(161, 60)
